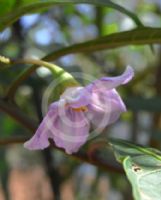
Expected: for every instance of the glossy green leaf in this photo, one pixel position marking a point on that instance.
(38, 6)
(142, 166)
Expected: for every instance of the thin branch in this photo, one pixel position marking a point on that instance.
(18, 115)
(81, 155)
(95, 160)
(13, 140)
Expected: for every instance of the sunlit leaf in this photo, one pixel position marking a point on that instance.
(142, 166)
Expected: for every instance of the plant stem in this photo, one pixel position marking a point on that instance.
(18, 115)
(56, 72)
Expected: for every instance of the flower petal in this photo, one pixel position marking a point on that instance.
(76, 97)
(105, 108)
(43, 133)
(107, 83)
(71, 130)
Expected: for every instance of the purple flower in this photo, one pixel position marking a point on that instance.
(69, 120)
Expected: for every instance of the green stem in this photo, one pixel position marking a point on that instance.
(57, 72)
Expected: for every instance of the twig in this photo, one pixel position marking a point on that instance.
(13, 140)
(81, 155)
(56, 72)
(18, 115)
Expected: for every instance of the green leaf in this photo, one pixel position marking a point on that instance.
(6, 6)
(139, 103)
(142, 166)
(138, 36)
(27, 8)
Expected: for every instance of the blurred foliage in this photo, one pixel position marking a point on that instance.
(26, 6)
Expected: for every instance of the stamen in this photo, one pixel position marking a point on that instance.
(83, 108)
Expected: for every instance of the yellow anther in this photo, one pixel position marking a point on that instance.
(83, 108)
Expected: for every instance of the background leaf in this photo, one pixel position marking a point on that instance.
(142, 166)
(140, 103)
(27, 7)
(6, 6)
(138, 36)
